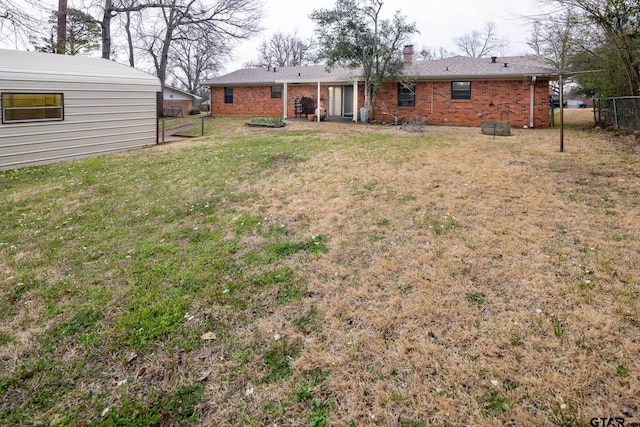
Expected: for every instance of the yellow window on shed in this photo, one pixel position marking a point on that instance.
(30, 107)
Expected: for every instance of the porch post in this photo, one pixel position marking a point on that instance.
(285, 96)
(318, 107)
(355, 101)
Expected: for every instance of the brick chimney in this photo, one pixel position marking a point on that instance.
(407, 54)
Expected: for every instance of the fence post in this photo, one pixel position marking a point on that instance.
(615, 113)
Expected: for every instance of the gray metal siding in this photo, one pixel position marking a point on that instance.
(99, 118)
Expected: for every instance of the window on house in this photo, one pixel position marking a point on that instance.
(276, 92)
(460, 90)
(228, 95)
(32, 107)
(406, 95)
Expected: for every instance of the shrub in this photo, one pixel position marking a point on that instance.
(194, 112)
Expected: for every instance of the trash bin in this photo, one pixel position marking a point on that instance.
(363, 112)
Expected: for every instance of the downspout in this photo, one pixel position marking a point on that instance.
(432, 96)
(533, 103)
(285, 95)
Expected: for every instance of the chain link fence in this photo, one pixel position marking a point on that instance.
(621, 113)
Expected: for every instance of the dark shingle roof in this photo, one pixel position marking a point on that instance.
(457, 67)
(301, 74)
(465, 67)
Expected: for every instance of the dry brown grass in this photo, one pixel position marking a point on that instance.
(471, 280)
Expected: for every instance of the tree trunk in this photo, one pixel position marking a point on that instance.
(62, 27)
(164, 55)
(106, 30)
(127, 28)
(369, 101)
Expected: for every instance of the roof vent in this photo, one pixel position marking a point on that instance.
(446, 69)
(505, 65)
(274, 68)
(298, 74)
(493, 59)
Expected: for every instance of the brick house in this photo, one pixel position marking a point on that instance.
(176, 102)
(458, 91)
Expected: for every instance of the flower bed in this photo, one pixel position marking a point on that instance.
(262, 122)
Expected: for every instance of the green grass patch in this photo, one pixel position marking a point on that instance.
(441, 225)
(278, 358)
(84, 321)
(493, 403)
(139, 253)
(146, 321)
(5, 338)
(176, 408)
(309, 321)
(314, 245)
(477, 298)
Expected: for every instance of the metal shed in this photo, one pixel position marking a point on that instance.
(60, 107)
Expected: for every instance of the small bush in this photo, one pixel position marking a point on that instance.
(194, 112)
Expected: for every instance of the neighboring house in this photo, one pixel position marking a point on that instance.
(458, 91)
(59, 107)
(177, 103)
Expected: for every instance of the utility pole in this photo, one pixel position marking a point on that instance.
(62, 27)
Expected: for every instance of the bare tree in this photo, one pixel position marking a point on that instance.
(193, 62)
(129, 20)
(111, 9)
(15, 22)
(556, 37)
(285, 50)
(228, 20)
(479, 43)
(620, 22)
(429, 53)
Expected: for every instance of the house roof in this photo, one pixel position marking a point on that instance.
(300, 74)
(21, 65)
(181, 92)
(509, 67)
(457, 67)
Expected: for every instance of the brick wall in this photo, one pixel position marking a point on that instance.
(257, 101)
(490, 100)
(309, 91)
(184, 104)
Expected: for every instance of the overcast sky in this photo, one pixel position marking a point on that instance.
(438, 22)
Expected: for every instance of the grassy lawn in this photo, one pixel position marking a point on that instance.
(325, 274)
